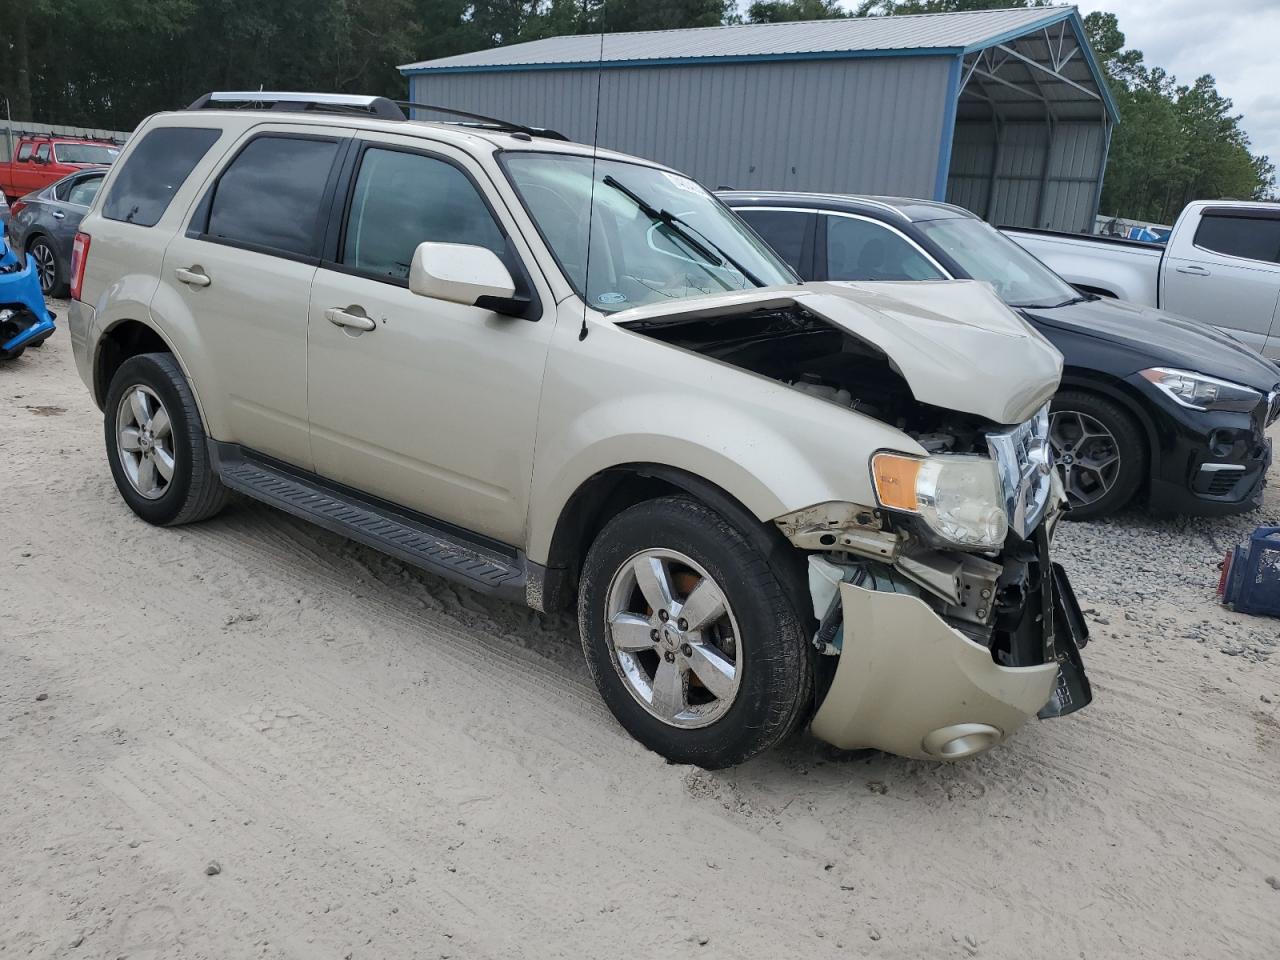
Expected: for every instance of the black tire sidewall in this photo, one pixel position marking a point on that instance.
(1131, 443)
(776, 669)
(156, 371)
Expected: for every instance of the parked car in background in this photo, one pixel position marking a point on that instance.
(1150, 403)
(25, 321)
(44, 224)
(380, 317)
(39, 161)
(4, 215)
(1220, 265)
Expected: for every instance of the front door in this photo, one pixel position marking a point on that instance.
(1228, 275)
(241, 275)
(436, 407)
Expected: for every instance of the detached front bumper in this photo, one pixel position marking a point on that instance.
(909, 683)
(24, 319)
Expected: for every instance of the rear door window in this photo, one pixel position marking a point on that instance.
(860, 249)
(404, 199)
(270, 196)
(24, 153)
(153, 172)
(84, 190)
(1252, 238)
(42, 152)
(789, 232)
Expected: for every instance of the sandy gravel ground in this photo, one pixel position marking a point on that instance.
(383, 765)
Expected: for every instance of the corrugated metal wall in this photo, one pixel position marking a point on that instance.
(1026, 193)
(869, 125)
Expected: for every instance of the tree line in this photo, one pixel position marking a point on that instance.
(109, 63)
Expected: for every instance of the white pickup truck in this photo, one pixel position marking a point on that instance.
(1221, 265)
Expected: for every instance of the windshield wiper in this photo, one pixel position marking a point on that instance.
(684, 230)
(1051, 306)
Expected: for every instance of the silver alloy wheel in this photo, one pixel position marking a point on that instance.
(1086, 453)
(46, 265)
(144, 440)
(674, 640)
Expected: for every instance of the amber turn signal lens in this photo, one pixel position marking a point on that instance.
(895, 479)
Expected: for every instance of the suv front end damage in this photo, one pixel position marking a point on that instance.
(943, 647)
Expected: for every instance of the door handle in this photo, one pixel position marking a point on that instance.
(341, 318)
(192, 277)
(1194, 270)
(59, 215)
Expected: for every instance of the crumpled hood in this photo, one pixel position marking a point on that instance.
(1168, 339)
(954, 342)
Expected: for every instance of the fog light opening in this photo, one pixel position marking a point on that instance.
(961, 740)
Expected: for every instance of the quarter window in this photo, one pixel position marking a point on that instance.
(153, 172)
(784, 230)
(404, 199)
(42, 152)
(1253, 238)
(863, 250)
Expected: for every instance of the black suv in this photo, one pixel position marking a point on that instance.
(1150, 402)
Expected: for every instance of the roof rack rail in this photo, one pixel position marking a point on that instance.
(481, 121)
(379, 107)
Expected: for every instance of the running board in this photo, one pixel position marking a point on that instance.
(379, 525)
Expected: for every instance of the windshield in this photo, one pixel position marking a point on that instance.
(986, 254)
(654, 235)
(85, 152)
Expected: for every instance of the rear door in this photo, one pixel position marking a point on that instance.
(241, 274)
(21, 177)
(68, 202)
(1228, 274)
(435, 408)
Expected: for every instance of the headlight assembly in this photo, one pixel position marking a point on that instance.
(1197, 391)
(958, 497)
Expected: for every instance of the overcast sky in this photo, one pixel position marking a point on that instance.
(1235, 40)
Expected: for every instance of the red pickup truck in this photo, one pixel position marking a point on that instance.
(41, 160)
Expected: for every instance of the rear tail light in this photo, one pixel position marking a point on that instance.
(79, 254)
(16, 207)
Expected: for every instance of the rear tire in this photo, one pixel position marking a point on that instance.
(150, 407)
(725, 719)
(1100, 451)
(52, 277)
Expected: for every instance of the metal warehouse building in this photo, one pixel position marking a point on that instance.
(1005, 112)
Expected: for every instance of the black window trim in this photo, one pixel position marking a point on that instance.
(198, 226)
(1234, 213)
(344, 197)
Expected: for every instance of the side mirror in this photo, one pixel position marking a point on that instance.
(461, 273)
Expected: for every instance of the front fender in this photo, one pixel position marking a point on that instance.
(618, 398)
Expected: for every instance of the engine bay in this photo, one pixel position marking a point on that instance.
(800, 349)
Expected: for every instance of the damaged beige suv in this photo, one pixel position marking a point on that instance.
(565, 376)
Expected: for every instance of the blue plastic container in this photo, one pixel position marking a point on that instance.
(1250, 580)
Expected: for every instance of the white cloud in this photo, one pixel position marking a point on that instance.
(1234, 40)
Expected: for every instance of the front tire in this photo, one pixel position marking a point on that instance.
(156, 443)
(690, 637)
(1100, 451)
